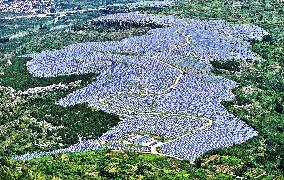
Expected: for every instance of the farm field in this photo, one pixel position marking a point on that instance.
(187, 90)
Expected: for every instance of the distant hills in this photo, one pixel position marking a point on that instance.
(53, 6)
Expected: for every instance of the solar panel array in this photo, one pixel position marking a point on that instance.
(152, 90)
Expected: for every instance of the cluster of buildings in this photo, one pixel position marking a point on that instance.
(27, 6)
(167, 103)
(144, 3)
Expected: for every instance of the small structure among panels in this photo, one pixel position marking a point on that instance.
(141, 140)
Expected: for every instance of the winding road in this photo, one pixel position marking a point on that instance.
(104, 101)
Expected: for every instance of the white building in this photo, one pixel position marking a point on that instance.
(141, 140)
